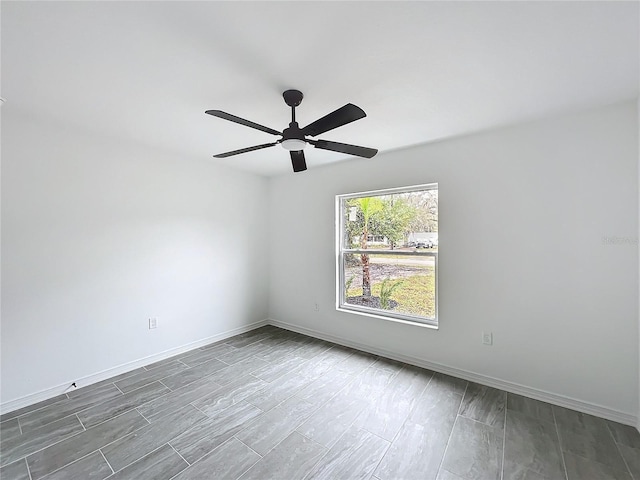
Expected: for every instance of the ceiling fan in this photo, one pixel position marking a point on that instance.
(295, 138)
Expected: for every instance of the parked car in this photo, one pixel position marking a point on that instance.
(424, 244)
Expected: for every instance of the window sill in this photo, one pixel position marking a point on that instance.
(384, 317)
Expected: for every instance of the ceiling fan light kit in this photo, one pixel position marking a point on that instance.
(295, 138)
(293, 144)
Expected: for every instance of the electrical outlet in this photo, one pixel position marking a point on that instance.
(487, 338)
(316, 307)
(153, 323)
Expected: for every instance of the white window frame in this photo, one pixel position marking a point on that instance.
(341, 304)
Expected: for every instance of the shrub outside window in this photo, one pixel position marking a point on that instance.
(388, 253)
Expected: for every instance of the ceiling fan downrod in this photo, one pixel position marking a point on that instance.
(292, 137)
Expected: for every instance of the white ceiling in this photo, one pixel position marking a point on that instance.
(147, 71)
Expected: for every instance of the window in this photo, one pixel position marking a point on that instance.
(388, 253)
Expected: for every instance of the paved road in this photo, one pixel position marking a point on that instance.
(416, 261)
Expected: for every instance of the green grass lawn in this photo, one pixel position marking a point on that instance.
(416, 295)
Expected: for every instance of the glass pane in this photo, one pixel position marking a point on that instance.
(399, 221)
(392, 283)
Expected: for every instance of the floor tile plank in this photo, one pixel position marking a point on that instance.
(269, 429)
(190, 375)
(245, 353)
(530, 407)
(474, 451)
(161, 464)
(136, 381)
(420, 445)
(15, 471)
(313, 349)
(632, 458)
(245, 339)
(57, 456)
(228, 461)
(321, 390)
(440, 381)
(587, 436)
(322, 364)
(514, 471)
(358, 361)
(416, 453)
(118, 405)
(437, 407)
(484, 404)
(213, 432)
(87, 389)
(197, 357)
(277, 391)
(369, 384)
(237, 370)
(579, 468)
(12, 449)
(389, 409)
(389, 364)
(31, 408)
(354, 456)
(445, 475)
(274, 371)
(62, 409)
(91, 467)
(134, 446)
(278, 352)
(533, 445)
(624, 434)
(10, 428)
(292, 459)
(332, 420)
(230, 394)
(162, 363)
(177, 399)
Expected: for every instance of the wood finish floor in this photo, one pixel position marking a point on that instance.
(273, 404)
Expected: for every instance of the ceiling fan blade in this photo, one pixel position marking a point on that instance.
(344, 148)
(347, 114)
(242, 121)
(245, 150)
(297, 161)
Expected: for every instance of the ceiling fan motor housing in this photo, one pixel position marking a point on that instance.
(293, 132)
(293, 138)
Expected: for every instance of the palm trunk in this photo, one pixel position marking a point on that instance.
(366, 274)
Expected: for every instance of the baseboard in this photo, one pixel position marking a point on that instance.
(555, 399)
(125, 367)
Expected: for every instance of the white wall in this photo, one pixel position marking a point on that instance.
(99, 235)
(523, 213)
